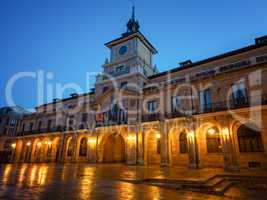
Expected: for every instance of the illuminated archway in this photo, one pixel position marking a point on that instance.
(114, 149)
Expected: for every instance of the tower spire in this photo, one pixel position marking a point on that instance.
(133, 13)
(132, 25)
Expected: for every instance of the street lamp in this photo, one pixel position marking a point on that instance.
(158, 136)
(13, 145)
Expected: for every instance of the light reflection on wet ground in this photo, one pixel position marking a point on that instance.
(73, 181)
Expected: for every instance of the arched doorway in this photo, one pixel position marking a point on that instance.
(114, 149)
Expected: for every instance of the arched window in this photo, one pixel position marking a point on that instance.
(83, 147)
(249, 139)
(183, 143)
(213, 139)
(69, 150)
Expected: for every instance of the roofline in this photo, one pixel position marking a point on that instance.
(211, 59)
(66, 99)
(135, 34)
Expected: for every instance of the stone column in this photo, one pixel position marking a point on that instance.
(92, 149)
(14, 152)
(141, 146)
(61, 148)
(230, 154)
(164, 145)
(74, 144)
(131, 145)
(194, 162)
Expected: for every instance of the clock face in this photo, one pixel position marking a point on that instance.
(123, 50)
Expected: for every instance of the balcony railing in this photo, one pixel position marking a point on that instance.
(151, 117)
(40, 131)
(110, 123)
(220, 106)
(127, 70)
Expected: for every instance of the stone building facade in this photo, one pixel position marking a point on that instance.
(211, 113)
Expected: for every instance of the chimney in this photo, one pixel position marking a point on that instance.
(185, 63)
(74, 95)
(261, 40)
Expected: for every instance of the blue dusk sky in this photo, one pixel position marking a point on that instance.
(67, 37)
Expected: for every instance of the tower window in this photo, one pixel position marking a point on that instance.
(124, 84)
(120, 69)
(105, 89)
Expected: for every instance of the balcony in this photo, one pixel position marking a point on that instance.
(222, 106)
(110, 123)
(112, 117)
(151, 117)
(126, 70)
(175, 114)
(39, 131)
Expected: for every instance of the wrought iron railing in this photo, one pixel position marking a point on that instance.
(220, 106)
(151, 117)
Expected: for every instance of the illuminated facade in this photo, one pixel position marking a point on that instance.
(211, 113)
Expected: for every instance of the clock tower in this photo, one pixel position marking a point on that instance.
(131, 58)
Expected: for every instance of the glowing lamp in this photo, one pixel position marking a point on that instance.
(92, 141)
(191, 134)
(211, 131)
(13, 145)
(158, 136)
(29, 143)
(225, 131)
(49, 143)
(39, 144)
(131, 138)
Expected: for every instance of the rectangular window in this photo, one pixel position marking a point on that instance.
(49, 123)
(84, 117)
(31, 127)
(239, 93)
(205, 100)
(23, 127)
(120, 69)
(39, 125)
(124, 84)
(152, 106)
(105, 89)
(176, 104)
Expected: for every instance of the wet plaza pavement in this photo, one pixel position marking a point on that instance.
(84, 181)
